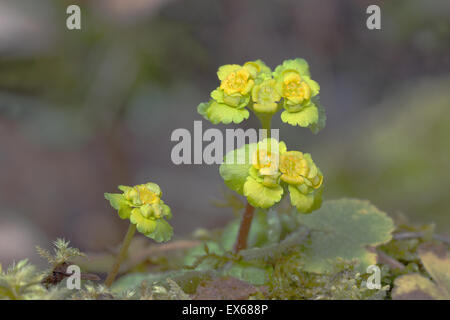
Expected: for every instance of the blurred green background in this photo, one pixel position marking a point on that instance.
(84, 111)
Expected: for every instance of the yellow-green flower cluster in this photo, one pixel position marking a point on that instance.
(271, 171)
(254, 86)
(142, 204)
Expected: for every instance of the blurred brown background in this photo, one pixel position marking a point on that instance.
(84, 111)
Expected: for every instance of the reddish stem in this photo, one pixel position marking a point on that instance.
(244, 228)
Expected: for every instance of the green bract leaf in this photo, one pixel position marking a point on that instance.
(303, 202)
(342, 229)
(235, 168)
(436, 261)
(307, 116)
(261, 196)
(143, 224)
(163, 231)
(115, 199)
(299, 65)
(119, 203)
(222, 113)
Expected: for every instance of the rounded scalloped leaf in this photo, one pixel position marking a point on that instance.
(303, 202)
(343, 229)
(115, 199)
(119, 203)
(308, 116)
(299, 65)
(261, 196)
(144, 225)
(163, 231)
(221, 113)
(235, 168)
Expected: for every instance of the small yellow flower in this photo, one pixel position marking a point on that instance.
(296, 169)
(265, 162)
(295, 89)
(293, 167)
(265, 96)
(237, 81)
(143, 194)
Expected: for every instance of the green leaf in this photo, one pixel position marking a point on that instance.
(235, 168)
(303, 202)
(163, 231)
(222, 113)
(119, 203)
(193, 254)
(124, 211)
(261, 196)
(115, 199)
(256, 275)
(309, 115)
(343, 229)
(436, 261)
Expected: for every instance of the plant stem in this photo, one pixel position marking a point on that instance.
(244, 228)
(121, 256)
(265, 120)
(247, 218)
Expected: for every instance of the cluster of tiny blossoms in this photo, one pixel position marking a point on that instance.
(270, 172)
(253, 86)
(142, 204)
